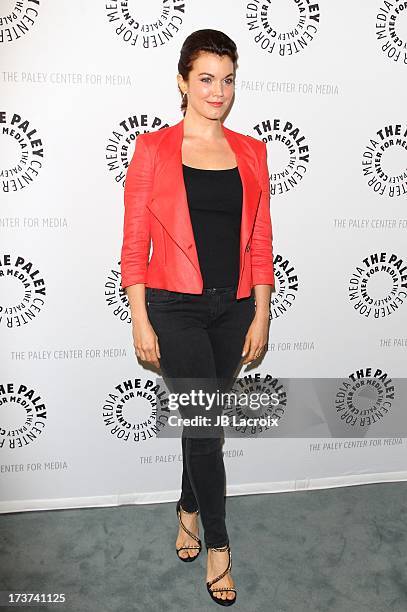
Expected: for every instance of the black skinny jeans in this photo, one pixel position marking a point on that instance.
(201, 336)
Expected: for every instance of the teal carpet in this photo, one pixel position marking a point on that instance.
(333, 550)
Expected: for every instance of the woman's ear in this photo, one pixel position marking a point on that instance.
(181, 83)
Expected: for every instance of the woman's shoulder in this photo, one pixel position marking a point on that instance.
(151, 140)
(255, 144)
(153, 136)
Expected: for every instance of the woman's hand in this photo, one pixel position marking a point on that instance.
(256, 337)
(146, 342)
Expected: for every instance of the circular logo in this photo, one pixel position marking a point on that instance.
(286, 284)
(391, 21)
(146, 25)
(21, 152)
(282, 28)
(378, 286)
(22, 291)
(364, 398)
(384, 161)
(121, 142)
(116, 297)
(263, 398)
(290, 153)
(130, 410)
(23, 415)
(17, 22)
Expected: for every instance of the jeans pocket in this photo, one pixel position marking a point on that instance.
(163, 296)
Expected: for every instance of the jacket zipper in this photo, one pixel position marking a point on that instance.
(165, 245)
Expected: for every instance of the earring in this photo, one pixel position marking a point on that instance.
(183, 97)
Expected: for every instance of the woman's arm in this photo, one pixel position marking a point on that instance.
(145, 339)
(136, 227)
(262, 268)
(136, 249)
(262, 237)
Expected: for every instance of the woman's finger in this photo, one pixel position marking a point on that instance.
(254, 353)
(152, 357)
(246, 346)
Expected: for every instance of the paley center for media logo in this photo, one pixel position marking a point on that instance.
(286, 280)
(365, 398)
(291, 155)
(22, 151)
(116, 296)
(378, 285)
(23, 415)
(122, 140)
(260, 405)
(136, 25)
(284, 28)
(18, 19)
(390, 30)
(23, 291)
(384, 162)
(129, 410)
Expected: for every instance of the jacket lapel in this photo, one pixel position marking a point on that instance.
(169, 202)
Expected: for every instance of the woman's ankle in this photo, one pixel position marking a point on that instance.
(224, 546)
(185, 509)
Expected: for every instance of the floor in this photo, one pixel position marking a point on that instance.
(336, 550)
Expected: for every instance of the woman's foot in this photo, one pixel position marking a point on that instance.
(190, 521)
(217, 563)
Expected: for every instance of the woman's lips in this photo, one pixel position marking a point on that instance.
(216, 103)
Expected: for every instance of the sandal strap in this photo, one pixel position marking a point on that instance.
(229, 567)
(221, 548)
(188, 547)
(223, 589)
(193, 536)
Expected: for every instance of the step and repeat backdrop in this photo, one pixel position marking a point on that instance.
(323, 84)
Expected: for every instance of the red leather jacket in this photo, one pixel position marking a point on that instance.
(156, 208)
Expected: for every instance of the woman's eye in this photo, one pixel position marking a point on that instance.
(228, 81)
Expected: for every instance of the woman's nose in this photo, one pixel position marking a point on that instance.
(218, 89)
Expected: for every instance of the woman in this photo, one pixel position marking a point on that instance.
(200, 192)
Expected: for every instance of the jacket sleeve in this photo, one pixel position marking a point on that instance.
(136, 227)
(262, 237)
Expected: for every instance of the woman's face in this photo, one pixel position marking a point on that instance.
(210, 85)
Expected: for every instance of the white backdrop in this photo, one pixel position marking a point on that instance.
(324, 85)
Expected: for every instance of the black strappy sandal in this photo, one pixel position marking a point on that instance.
(222, 602)
(199, 546)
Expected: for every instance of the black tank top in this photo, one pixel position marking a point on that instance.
(215, 204)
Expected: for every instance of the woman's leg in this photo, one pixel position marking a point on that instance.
(188, 499)
(207, 475)
(203, 478)
(227, 329)
(186, 355)
(227, 335)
